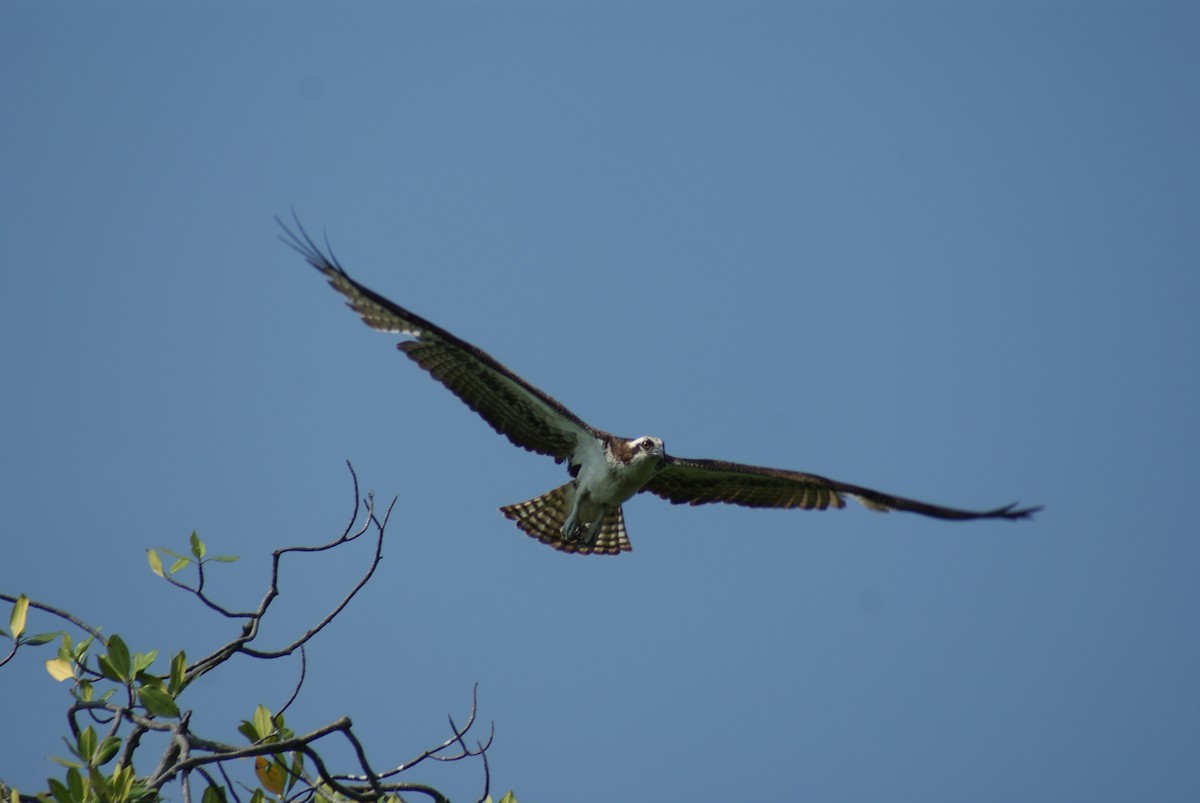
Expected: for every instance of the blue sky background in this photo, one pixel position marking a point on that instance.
(947, 250)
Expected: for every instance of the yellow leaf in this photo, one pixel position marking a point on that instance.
(155, 561)
(59, 669)
(270, 774)
(16, 622)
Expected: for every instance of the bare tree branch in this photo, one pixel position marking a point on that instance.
(149, 705)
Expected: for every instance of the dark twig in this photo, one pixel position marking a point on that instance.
(228, 783)
(487, 772)
(251, 627)
(61, 614)
(289, 649)
(457, 738)
(299, 683)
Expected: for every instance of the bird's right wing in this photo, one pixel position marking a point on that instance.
(516, 409)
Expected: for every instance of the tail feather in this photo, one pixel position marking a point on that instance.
(542, 518)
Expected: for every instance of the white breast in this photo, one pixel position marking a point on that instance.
(604, 480)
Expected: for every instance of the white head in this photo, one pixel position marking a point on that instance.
(646, 448)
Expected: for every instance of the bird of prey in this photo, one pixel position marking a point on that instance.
(584, 515)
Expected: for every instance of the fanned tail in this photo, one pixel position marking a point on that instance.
(542, 518)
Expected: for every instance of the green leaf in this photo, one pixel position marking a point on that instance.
(16, 620)
(86, 744)
(179, 564)
(153, 681)
(121, 783)
(118, 657)
(225, 558)
(75, 784)
(142, 662)
(258, 796)
(40, 639)
(158, 702)
(97, 785)
(213, 794)
(263, 726)
(297, 770)
(59, 792)
(178, 668)
(107, 748)
(86, 691)
(107, 670)
(247, 730)
(509, 798)
(140, 793)
(198, 548)
(155, 561)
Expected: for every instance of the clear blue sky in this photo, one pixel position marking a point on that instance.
(944, 250)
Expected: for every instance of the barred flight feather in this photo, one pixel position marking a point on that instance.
(542, 518)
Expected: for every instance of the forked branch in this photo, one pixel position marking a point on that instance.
(289, 765)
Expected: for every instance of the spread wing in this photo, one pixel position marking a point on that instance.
(699, 482)
(516, 409)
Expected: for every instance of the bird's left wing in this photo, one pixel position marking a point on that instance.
(698, 482)
(514, 408)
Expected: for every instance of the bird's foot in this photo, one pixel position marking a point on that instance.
(592, 532)
(583, 533)
(572, 528)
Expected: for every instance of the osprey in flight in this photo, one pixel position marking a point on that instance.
(584, 515)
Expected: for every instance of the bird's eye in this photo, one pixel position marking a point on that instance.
(647, 445)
